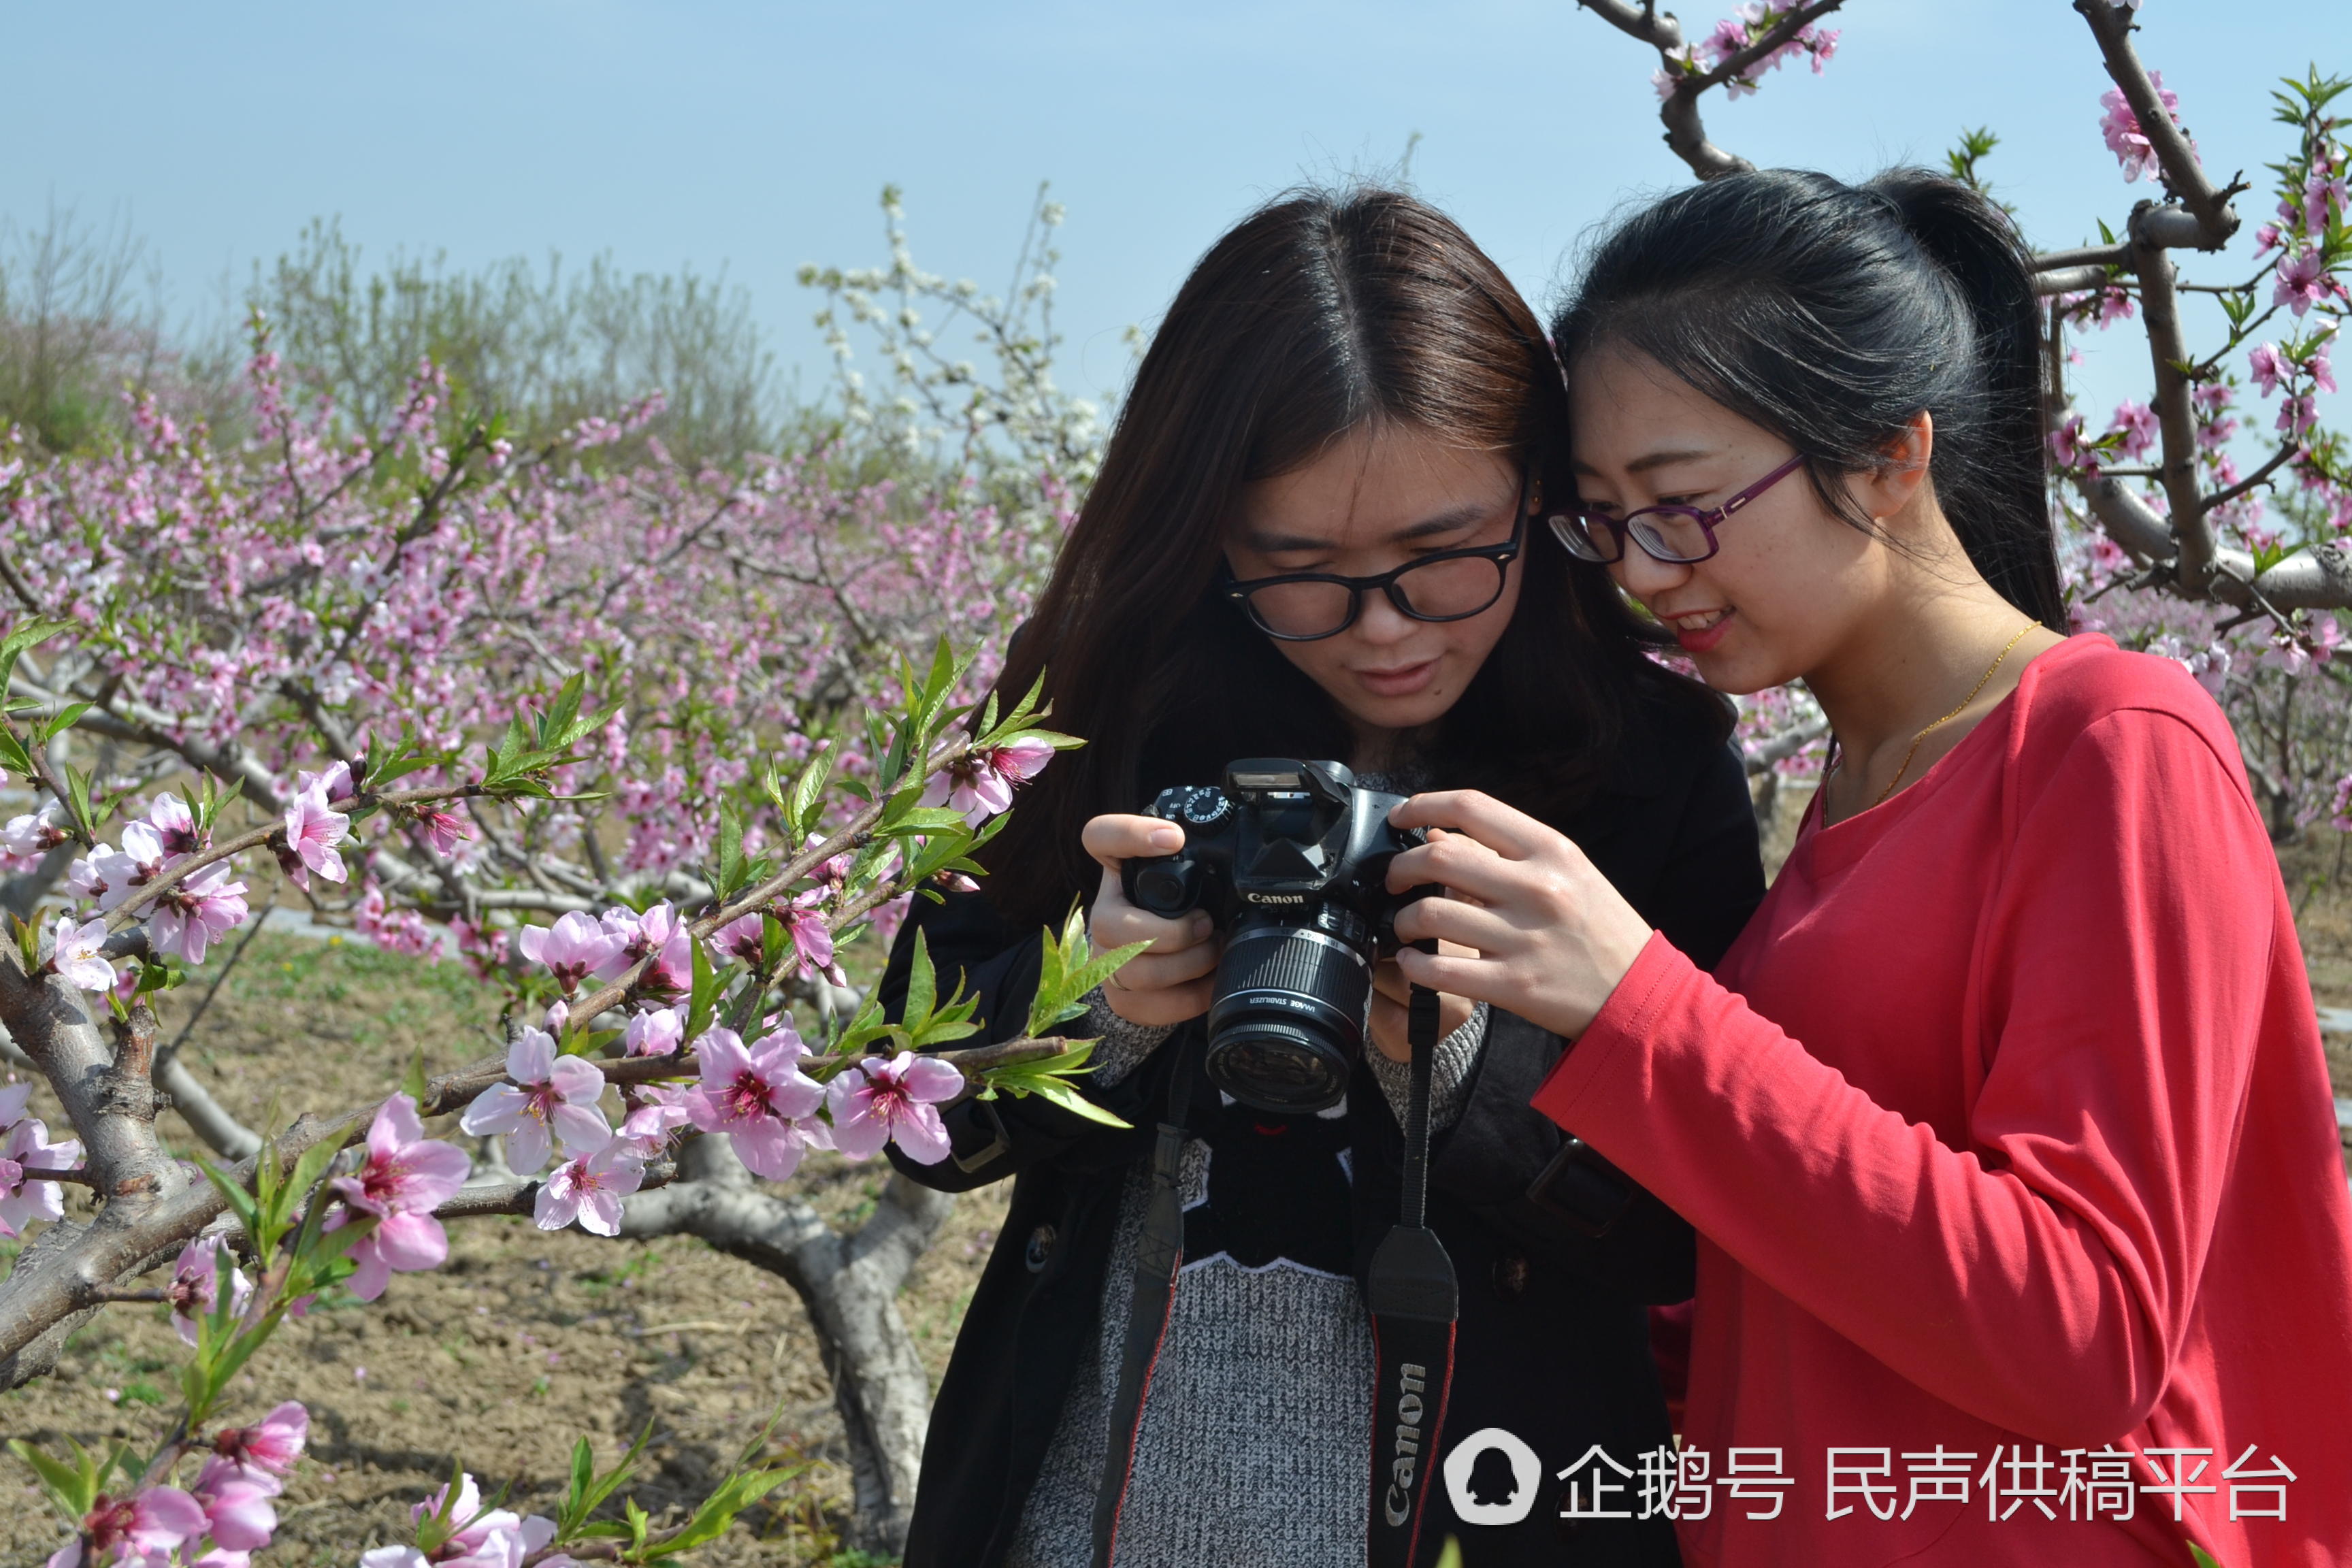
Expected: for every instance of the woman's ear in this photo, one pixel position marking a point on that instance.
(1894, 488)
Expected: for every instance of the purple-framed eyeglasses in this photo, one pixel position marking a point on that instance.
(1676, 535)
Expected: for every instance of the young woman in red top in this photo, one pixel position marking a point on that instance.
(2024, 1229)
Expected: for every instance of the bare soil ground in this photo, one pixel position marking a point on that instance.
(523, 1343)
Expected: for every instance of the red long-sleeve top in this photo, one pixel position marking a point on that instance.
(2005, 1129)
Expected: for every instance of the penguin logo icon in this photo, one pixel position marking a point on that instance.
(1484, 1492)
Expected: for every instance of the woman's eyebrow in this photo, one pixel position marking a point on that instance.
(1446, 522)
(1282, 543)
(1648, 460)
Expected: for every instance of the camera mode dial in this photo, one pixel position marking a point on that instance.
(1206, 806)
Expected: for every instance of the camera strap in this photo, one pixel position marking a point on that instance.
(1414, 1301)
(1158, 1253)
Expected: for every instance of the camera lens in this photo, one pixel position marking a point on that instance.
(1287, 1022)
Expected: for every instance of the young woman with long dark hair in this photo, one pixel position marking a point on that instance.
(1313, 538)
(2005, 1125)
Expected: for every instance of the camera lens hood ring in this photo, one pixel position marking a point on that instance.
(1286, 1030)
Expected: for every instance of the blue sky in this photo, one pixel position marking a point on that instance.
(757, 136)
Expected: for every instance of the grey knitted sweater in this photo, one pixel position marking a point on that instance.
(1255, 1438)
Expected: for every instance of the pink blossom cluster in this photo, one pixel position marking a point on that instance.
(1766, 717)
(2297, 374)
(1739, 32)
(261, 602)
(2126, 139)
(981, 783)
(404, 1177)
(222, 1518)
(186, 918)
(24, 1150)
(477, 1538)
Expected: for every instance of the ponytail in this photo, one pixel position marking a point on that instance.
(1834, 316)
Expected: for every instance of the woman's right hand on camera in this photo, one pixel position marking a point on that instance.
(1168, 981)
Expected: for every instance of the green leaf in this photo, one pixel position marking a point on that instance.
(49, 729)
(76, 784)
(400, 767)
(241, 1203)
(589, 1489)
(808, 791)
(73, 1489)
(703, 998)
(921, 819)
(25, 635)
(583, 1476)
(2204, 1557)
(1061, 984)
(311, 1168)
(31, 634)
(922, 986)
(733, 1495)
(1057, 1090)
(638, 1519)
(412, 1082)
(556, 723)
(12, 755)
(730, 878)
(773, 940)
(863, 1029)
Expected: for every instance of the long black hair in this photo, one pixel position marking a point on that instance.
(1832, 315)
(1321, 314)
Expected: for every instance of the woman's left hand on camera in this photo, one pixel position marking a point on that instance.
(1551, 936)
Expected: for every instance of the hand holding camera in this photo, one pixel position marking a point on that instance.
(1168, 981)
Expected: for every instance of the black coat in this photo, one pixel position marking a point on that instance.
(1553, 1339)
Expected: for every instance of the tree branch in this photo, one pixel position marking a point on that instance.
(2215, 220)
(2175, 419)
(2100, 256)
(522, 1197)
(1779, 748)
(2276, 460)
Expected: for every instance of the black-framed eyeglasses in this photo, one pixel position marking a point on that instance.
(1447, 585)
(1676, 535)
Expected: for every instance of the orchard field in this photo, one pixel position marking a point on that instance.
(523, 1341)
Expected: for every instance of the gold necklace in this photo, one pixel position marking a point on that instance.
(1962, 707)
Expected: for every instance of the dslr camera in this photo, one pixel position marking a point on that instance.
(1290, 859)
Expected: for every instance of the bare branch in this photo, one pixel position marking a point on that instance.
(1685, 134)
(124, 719)
(2175, 419)
(2131, 522)
(2070, 280)
(209, 1120)
(1785, 744)
(2260, 476)
(2100, 256)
